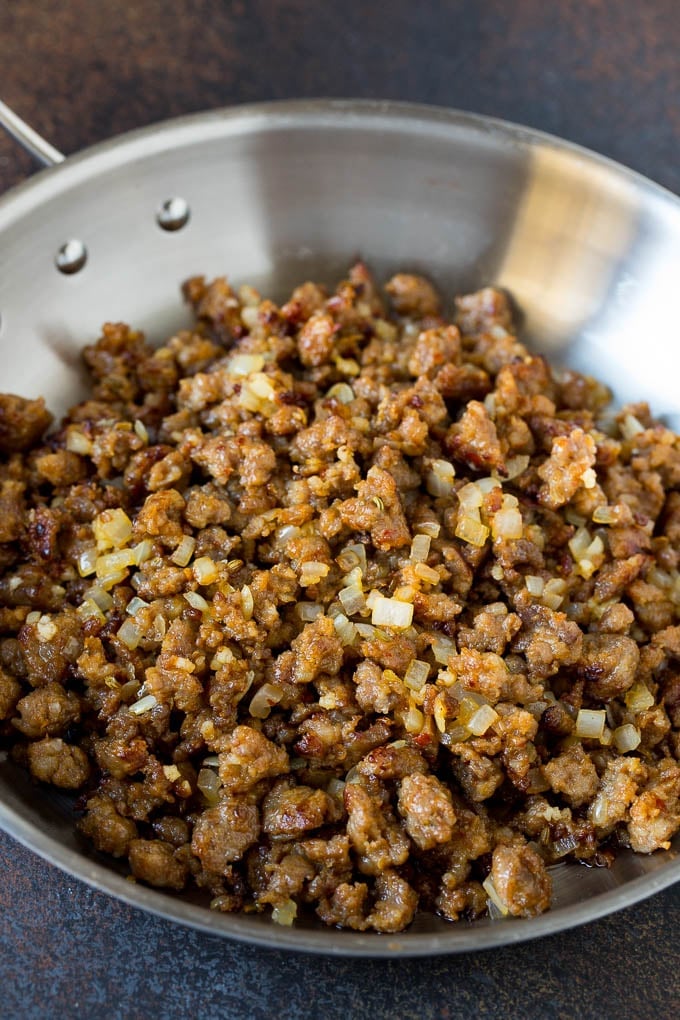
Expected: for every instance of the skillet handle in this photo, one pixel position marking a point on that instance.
(30, 139)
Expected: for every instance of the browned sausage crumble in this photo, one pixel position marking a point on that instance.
(324, 607)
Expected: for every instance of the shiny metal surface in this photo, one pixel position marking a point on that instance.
(25, 135)
(283, 192)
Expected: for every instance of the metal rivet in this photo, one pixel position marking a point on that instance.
(71, 257)
(173, 214)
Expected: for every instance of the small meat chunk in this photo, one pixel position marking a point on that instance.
(317, 649)
(378, 690)
(413, 295)
(154, 862)
(479, 311)
(521, 880)
(608, 664)
(568, 468)
(478, 775)
(548, 639)
(248, 758)
(47, 710)
(222, 834)
(618, 787)
(377, 509)
(433, 349)
(346, 906)
(474, 440)
(10, 692)
(390, 762)
(110, 832)
(22, 422)
(466, 900)
(289, 811)
(377, 838)
(573, 775)
(655, 813)
(426, 806)
(53, 761)
(395, 905)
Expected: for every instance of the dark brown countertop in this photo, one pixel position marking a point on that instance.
(602, 73)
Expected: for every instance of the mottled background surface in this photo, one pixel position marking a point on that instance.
(603, 73)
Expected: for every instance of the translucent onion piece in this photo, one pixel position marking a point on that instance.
(392, 613)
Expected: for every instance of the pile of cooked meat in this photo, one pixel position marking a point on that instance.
(344, 607)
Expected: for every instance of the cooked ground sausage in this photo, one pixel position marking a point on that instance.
(328, 608)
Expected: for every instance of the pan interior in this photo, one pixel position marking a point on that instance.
(276, 194)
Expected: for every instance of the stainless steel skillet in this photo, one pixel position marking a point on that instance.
(276, 193)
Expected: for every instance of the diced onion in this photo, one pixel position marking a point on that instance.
(247, 602)
(392, 613)
(264, 700)
(209, 783)
(430, 528)
(221, 657)
(143, 551)
(76, 442)
(101, 598)
(181, 662)
(353, 600)
(341, 392)
(626, 738)
(507, 525)
(589, 479)
(416, 674)
(534, 584)
(470, 496)
(605, 515)
(442, 648)
(135, 604)
(308, 611)
(483, 718)
(244, 364)
(639, 698)
(515, 466)
(87, 562)
(197, 601)
(630, 427)
(579, 543)
(112, 529)
(414, 720)
(285, 913)
(492, 893)
(89, 610)
(184, 551)
(129, 633)
(141, 430)
(345, 629)
(420, 548)
(427, 574)
(590, 723)
(472, 531)
(114, 562)
(439, 479)
(205, 570)
(144, 705)
(312, 572)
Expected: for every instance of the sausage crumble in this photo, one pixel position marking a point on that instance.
(344, 606)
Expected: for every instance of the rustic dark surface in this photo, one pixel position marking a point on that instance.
(604, 73)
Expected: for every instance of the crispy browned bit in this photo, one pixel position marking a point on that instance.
(326, 609)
